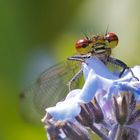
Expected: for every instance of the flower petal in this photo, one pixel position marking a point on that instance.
(65, 110)
(99, 68)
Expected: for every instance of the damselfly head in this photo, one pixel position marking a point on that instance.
(97, 44)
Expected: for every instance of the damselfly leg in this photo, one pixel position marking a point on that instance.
(123, 65)
(75, 77)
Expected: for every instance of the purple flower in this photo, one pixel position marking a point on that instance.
(114, 111)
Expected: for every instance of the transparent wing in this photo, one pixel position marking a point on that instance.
(50, 87)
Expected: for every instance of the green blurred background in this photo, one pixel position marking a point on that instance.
(36, 33)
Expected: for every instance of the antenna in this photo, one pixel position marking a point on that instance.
(85, 34)
(106, 29)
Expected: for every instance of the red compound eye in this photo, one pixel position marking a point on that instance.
(112, 39)
(82, 46)
(82, 43)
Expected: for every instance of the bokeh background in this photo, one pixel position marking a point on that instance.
(36, 33)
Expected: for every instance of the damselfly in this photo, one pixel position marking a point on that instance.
(101, 47)
(51, 86)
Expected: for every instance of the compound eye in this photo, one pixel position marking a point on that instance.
(111, 40)
(82, 46)
(82, 43)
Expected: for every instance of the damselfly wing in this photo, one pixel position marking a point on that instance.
(50, 87)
